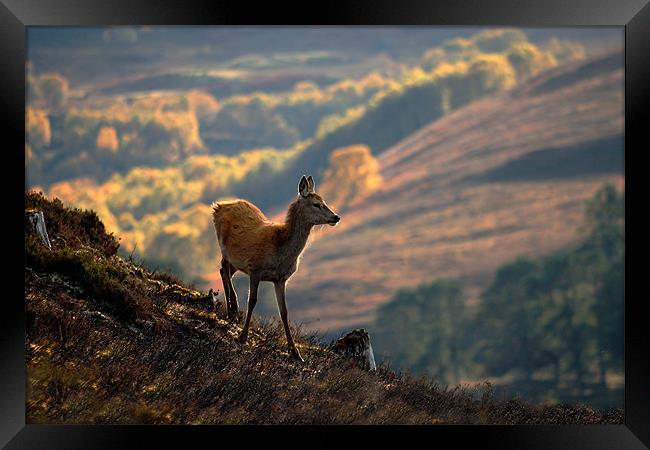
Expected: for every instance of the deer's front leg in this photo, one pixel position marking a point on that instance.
(252, 300)
(282, 308)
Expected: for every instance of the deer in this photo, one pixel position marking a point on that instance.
(267, 251)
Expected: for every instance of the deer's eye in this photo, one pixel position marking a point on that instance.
(316, 205)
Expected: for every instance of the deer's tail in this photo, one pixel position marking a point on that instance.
(217, 212)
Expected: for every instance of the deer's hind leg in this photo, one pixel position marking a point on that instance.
(252, 301)
(227, 271)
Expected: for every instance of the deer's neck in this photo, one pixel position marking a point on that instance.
(296, 234)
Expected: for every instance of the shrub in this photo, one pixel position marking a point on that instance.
(72, 228)
(107, 139)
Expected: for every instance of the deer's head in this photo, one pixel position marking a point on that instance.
(313, 208)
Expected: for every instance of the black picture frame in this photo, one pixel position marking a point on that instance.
(633, 15)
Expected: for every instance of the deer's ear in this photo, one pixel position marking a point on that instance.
(311, 184)
(303, 187)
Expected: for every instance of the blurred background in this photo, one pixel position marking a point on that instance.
(478, 171)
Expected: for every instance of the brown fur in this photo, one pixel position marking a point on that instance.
(245, 235)
(264, 250)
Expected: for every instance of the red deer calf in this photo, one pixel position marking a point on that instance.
(264, 250)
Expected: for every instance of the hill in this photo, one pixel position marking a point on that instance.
(499, 178)
(108, 341)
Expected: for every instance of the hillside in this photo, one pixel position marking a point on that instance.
(500, 178)
(110, 342)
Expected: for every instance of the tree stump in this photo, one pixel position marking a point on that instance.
(356, 344)
(35, 223)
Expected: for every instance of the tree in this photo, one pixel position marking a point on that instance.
(528, 60)
(605, 214)
(569, 281)
(107, 139)
(54, 89)
(606, 220)
(489, 73)
(352, 174)
(565, 50)
(507, 322)
(39, 133)
(422, 330)
(609, 310)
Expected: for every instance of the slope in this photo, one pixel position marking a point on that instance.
(110, 342)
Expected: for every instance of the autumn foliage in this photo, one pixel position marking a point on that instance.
(352, 174)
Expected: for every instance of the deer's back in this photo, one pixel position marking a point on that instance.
(244, 233)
